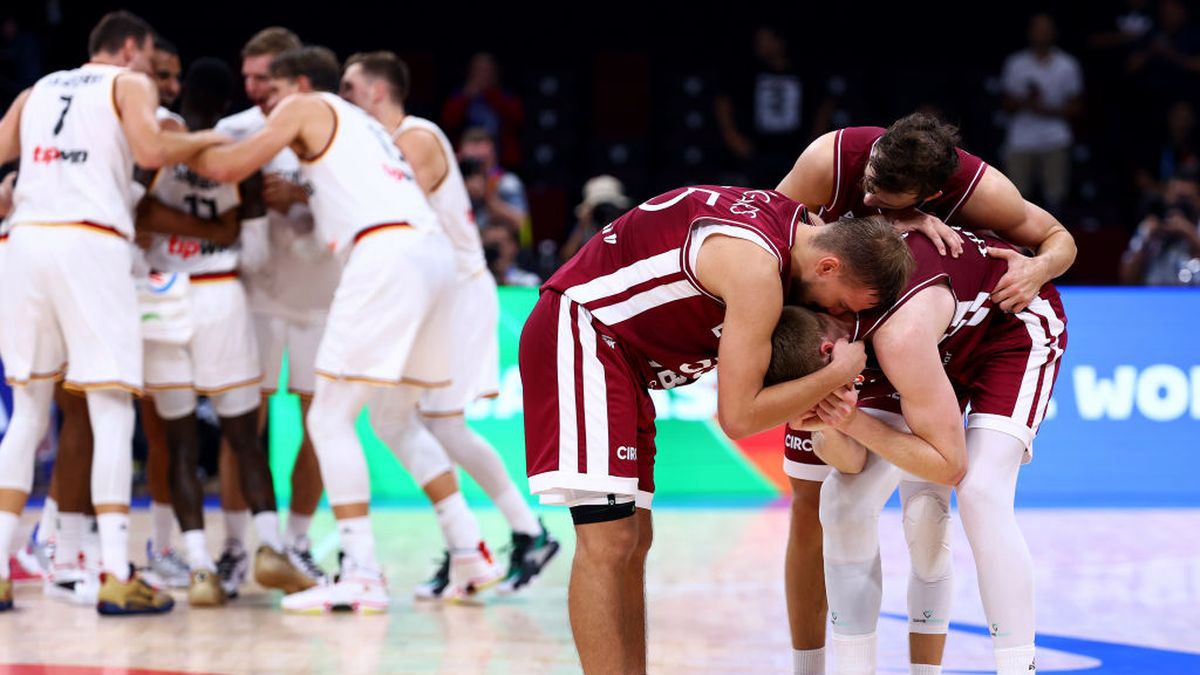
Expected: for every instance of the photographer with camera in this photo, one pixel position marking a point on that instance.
(1165, 251)
(603, 201)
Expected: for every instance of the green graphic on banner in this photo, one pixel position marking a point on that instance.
(695, 459)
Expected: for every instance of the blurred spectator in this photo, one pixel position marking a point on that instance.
(497, 196)
(1177, 154)
(1165, 251)
(1042, 88)
(1129, 24)
(20, 56)
(604, 201)
(1168, 63)
(166, 67)
(482, 102)
(768, 111)
(500, 248)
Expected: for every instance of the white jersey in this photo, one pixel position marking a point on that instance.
(182, 189)
(76, 164)
(360, 180)
(289, 284)
(452, 204)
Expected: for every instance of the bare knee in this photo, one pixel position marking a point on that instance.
(614, 544)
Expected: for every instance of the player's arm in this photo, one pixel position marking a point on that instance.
(153, 146)
(998, 206)
(811, 179)
(907, 348)
(10, 129)
(234, 162)
(158, 218)
(424, 152)
(746, 278)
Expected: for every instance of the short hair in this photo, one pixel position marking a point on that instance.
(475, 134)
(795, 346)
(272, 40)
(385, 65)
(114, 29)
(318, 64)
(208, 87)
(872, 253)
(162, 44)
(918, 153)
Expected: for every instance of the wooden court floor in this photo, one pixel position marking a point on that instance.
(1118, 592)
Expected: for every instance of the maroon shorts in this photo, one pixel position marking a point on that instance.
(799, 460)
(589, 421)
(1019, 362)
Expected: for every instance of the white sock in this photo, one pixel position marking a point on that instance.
(459, 527)
(517, 512)
(358, 541)
(91, 543)
(808, 661)
(924, 669)
(46, 525)
(297, 530)
(8, 528)
(197, 550)
(114, 544)
(266, 524)
(69, 541)
(162, 525)
(854, 654)
(235, 527)
(1015, 661)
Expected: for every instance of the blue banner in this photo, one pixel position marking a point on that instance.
(5, 402)
(1124, 422)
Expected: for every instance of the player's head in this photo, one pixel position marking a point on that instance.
(166, 71)
(911, 162)
(802, 344)
(123, 39)
(207, 92)
(256, 61)
(302, 70)
(853, 264)
(374, 79)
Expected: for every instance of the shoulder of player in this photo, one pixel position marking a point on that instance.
(132, 79)
(725, 261)
(923, 312)
(993, 202)
(420, 139)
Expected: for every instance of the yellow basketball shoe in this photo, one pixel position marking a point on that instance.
(272, 569)
(135, 596)
(204, 589)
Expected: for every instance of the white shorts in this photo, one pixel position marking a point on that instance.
(382, 328)
(69, 308)
(222, 353)
(300, 339)
(475, 348)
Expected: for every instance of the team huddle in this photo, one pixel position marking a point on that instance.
(876, 301)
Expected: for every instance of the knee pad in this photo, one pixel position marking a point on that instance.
(25, 430)
(927, 531)
(236, 402)
(173, 404)
(416, 449)
(111, 412)
(850, 525)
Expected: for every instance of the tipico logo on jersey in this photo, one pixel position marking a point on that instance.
(54, 155)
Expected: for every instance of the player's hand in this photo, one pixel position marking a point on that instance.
(1021, 283)
(280, 193)
(808, 421)
(849, 358)
(943, 237)
(839, 407)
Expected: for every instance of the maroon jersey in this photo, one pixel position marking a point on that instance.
(976, 326)
(851, 150)
(636, 277)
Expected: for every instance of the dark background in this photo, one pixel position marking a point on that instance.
(627, 75)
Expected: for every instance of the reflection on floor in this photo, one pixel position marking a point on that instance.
(1118, 592)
